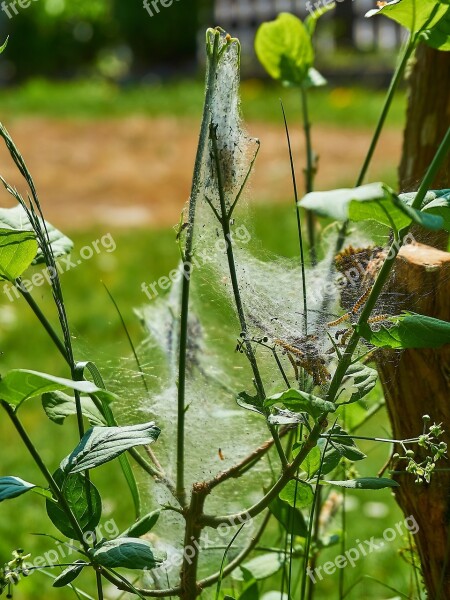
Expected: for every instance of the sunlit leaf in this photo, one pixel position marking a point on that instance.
(408, 330)
(261, 567)
(16, 219)
(17, 251)
(103, 444)
(364, 483)
(58, 406)
(415, 15)
(21, 384)
(299, 401)
(284, 48)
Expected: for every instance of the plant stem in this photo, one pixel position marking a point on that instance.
(299, 224)
(396, 79)
(225, 222)
(309, 175)
(188, 255)
(45, 472)
(346, 359)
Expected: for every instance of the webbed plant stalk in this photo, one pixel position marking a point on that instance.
(212, 45)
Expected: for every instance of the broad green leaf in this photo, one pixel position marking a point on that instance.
(332, 456)
(436, 202)
(364, 483)
(415, 15)
(70, 574)
(249, 402)
(250, 589)
(11, 487)
(261, 567)
(299, 401)
(142, 526)
(284, 48)
(364, 379)
(374, 201)
(129, 553)
(439, 36)
(100, 445)
(86, 506)
(81, 367)
(17, 251)
(311, 464)
(16, 219)
(341, 441)
(58, 406)
(409, 330)
(292, 519)
(297, 494)
(21, 384)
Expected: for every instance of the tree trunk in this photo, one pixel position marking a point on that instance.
(417, 382)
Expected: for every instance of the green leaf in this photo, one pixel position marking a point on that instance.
(297, 494)
(311, 464)
(284, 48)
(364, 380)
(409, 330)
(86, 506)
(16, 219)
(374, 201)
(130, 553)
(291, 519)
(17, 251)
(364, 483)
(70, 574)
(142, 526)
(261, 567)
(439, 36)
(341, 441)
(436, 202)
(58, 406)
(21, 384)
(299, 401)
(11, 487)
(415, 15)
(249, 402)
(100, 445)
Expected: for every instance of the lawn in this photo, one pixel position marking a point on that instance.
(90, 99)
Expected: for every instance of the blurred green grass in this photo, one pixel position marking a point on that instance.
(144, 255)
(99, 99)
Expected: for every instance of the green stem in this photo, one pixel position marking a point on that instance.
(309, 175)
(45, 472)
(396, 79)
(345, 361)
(188, 255)
(225, 222)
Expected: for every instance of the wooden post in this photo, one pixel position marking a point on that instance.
(417, 382)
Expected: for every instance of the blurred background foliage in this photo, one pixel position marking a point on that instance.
(108, 37)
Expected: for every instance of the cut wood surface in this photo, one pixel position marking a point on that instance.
(417, 382)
